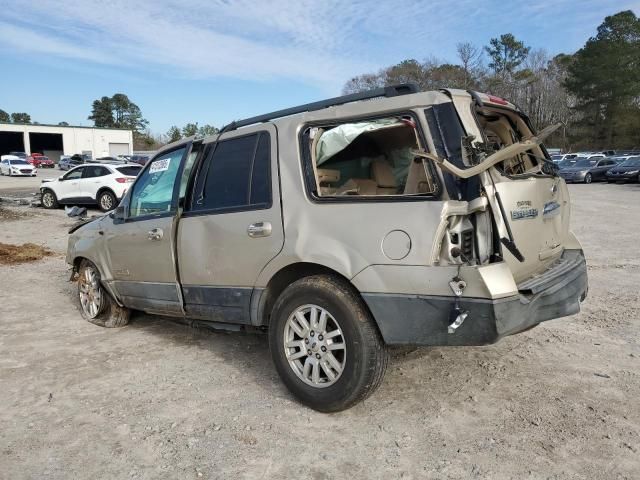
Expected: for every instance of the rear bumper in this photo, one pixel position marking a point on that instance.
(423, 320)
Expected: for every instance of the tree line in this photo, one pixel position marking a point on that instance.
(20, 118)
(594, 92)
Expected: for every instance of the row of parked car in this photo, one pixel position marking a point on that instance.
(69, 161)
(610, 166)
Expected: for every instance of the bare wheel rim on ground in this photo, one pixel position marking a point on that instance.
(314, 346)
(90, 292)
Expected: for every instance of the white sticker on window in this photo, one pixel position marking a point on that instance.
(159, 165)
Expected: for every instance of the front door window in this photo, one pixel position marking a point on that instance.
(153, 192)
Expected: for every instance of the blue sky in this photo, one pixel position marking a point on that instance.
(211, 61)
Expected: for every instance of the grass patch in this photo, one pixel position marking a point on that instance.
(27, 252)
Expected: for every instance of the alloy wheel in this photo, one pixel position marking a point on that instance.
(314, 346)
(47, 199)
(106, 201)
(90, 291)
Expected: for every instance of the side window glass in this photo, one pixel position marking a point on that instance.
(261, 178)
(153, 191)
(95, 171)
(238, 174)
(74, 174)
(186, 171)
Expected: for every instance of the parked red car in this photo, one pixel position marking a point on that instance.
(39, 160)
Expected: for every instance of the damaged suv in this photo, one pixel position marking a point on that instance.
(388, 217)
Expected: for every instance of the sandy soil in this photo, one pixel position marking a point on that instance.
(158, 399)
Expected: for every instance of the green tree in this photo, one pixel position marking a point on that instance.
(174, 134)
(190, 129)
(207, 130)
(118, 111)
(506, 54)
(63, 124)
(4, 116)
(20, 117)
(102, 113)
(604, 76)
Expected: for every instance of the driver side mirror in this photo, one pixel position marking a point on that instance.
(119, 213)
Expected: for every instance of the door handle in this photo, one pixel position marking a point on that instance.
(259, 229)
(155, 234)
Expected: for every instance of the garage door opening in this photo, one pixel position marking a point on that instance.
(49, 144)
(116, 149)
(11, 142)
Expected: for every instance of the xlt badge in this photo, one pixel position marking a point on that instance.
(524, 209)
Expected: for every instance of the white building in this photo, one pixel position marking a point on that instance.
(54, 140)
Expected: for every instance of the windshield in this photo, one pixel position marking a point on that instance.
(18, 162)
(566, 163)
(556, 157)
(632, 162)
(585, 162)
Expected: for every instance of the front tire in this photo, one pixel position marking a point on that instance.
(325, 345)
(96, 305)
(588, 178)
(49, 200)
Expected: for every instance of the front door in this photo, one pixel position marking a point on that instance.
(232, 225)
(69, 186)
(141, 247)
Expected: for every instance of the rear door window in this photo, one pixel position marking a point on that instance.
(236, 175)
(93, 171)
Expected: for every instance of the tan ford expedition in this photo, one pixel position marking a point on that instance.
(388, 217)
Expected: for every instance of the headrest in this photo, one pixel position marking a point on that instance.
(383, 174)
(326, 175)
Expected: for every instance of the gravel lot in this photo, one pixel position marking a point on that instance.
(158, 399)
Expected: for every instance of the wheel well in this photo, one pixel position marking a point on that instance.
(105, 189)
(286, 277)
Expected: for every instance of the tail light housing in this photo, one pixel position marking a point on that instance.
(125, 180)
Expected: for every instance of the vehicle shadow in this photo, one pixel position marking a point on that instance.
(247, 353)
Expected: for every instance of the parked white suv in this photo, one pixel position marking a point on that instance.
(89, 184)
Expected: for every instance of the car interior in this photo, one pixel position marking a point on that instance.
(503, 129)
(369, 158)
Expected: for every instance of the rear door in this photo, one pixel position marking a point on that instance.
(141, 247)
(93, 178)
(599, 172)
(232, 225)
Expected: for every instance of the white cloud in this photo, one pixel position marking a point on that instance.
(322, 42)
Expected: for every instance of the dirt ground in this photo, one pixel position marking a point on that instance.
(158, 399)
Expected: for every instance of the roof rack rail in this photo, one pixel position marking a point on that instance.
(389, 91)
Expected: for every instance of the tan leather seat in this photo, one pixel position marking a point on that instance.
(358, 186)
(384, 178)
(324, 177)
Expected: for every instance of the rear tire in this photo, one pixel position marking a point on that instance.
(305, 359)
(107, 201)
(96, 305)
(49, 200)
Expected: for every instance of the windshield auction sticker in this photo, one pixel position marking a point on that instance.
(160, 165)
